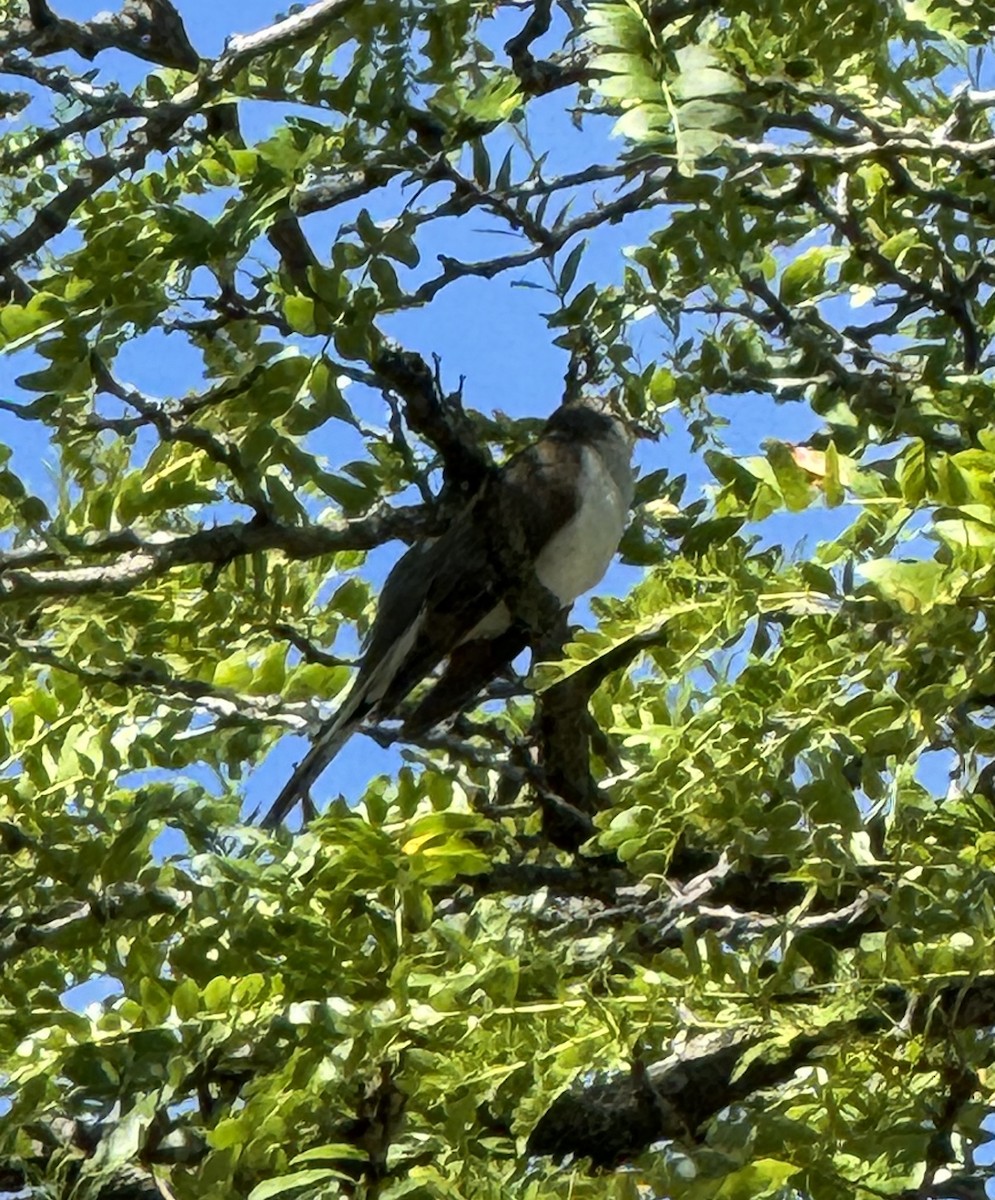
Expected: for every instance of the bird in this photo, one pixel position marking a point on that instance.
(554, 513)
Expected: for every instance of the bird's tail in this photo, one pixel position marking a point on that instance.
(330, 740)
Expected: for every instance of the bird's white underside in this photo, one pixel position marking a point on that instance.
(576, 557)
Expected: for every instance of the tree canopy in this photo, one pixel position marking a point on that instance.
(702, 905)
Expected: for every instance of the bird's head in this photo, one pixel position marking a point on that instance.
(595, 418)
(598, 422)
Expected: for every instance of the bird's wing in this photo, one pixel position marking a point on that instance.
(469, 668)
(493, 543)
(467, 568)
(418, 622)
(538, 491)
(435, 594)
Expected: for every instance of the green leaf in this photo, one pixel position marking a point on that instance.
(385, 277)
(21, 325)
(216, 994)
(481, 164)
(334, 1151)
(762, 1177)
(914, 586)
(299, 311)
(568, 272)
(805, 277)
(268, 675)
(186, 999)
(291, 1183)
(155, 1001)
(234, 672)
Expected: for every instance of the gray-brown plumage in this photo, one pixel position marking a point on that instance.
(554, 512)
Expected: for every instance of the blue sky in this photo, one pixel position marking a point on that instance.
(492, 332)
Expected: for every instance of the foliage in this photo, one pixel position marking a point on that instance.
(764, 967)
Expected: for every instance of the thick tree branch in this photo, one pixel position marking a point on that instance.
(150, 29)
(227, 706)
(64, 926)
(613, 1119)
(138, 560)
(437, 417)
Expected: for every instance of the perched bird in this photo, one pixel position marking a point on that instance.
(554, 513)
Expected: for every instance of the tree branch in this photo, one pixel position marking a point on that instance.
(162, 122)
(139, 560)
(62, 927)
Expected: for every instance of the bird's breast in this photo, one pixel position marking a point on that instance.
(577, 555)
